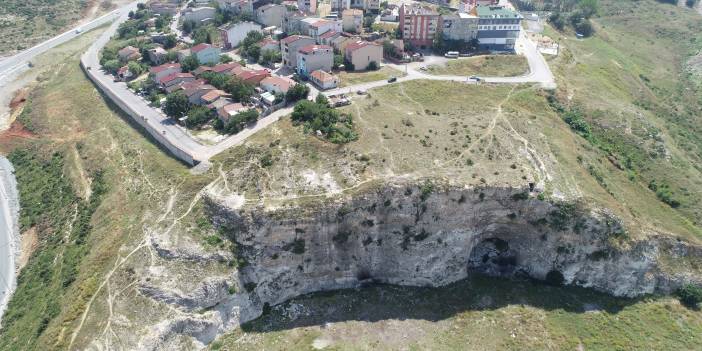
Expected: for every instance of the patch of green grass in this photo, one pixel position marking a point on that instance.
(490, 65)
(352, 78)
(479, 313)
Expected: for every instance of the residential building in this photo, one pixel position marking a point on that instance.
(195, 93)
(206, 53)
(129, 53)
(269, 44)
(253, 77)
(390, 15)
(124, 74)
(292, 22)
(271, 15)
(236, 7)
(498, 27)
(233, 34)
(277, 84)
(352, 20)
(198, 14)
(225, 68)
(213, 95)
(328, 37)
(157, 55)
(340, 5)
(324, 80)
(460, 27)
(289, 47)
(361, 53)
(308, 6)
(418, 25)
(339, 43)
(467, 6)
(314, 57)
(163, 8)
(321, 26)
(230, 110)
(366, 5)
(174, 79)
(164, 70)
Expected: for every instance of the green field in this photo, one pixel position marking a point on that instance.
(489, 66)
(353, 78)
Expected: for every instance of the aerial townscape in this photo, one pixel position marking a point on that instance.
(351, 175)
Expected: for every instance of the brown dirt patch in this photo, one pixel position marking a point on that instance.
(29, 240)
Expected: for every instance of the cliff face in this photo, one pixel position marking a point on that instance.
(425, 235)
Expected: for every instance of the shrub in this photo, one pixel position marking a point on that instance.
(555, 278)
(690, 295)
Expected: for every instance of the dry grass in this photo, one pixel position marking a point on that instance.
(491, 66)
(353, 78)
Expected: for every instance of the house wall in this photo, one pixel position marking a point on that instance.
(198, 14)
(234, 35)
(271, 16)
(360, 58)
(457, 28)
(320, 59)
(352, 23)
(498, 34)
(289, 52)
(209, 55)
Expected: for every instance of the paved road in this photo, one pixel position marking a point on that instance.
(9, 231)
(539, 72)
(13, 64)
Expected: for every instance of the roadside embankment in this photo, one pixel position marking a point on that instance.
(9, 232)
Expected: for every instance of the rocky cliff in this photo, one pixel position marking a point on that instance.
(430, 234)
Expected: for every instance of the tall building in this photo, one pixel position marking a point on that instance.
(308, 6)
(498, 27)
(419, 25)
(460, 27)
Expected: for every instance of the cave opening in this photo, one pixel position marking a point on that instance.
(493, 257)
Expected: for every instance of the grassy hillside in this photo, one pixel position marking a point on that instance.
(24, 23)
(630, 92)
(86, 179)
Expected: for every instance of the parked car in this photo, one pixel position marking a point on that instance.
(361, 92)
(475, 78)
(392, 80)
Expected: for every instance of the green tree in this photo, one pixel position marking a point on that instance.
(240, 90)
(112, 66)
(170, 41)
(588, 7)
(225, 58)
(372, 66)
(254, 52)
(297, 92)
(189, 63)
(269, 56)
(176, 105)
(198, 116)
(136, 68)
(338, 61)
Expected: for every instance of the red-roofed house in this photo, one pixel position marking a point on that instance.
(277, 84)
(225, 67)
(128, 53)
(206, 53)
(253, 77)
(313, 57)
(322, 26)
(173, 80)
(289, 47)
(361, 53)
(213, 95)
(328, 37)
(161, 71)
(324, 80)
(196, 93)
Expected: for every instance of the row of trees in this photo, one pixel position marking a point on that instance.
(250, 49)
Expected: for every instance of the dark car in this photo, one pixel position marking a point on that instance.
(392, 80)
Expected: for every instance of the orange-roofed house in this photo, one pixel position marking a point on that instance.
(161, 71)
(277, 85)
(206, 53)
(324, 80)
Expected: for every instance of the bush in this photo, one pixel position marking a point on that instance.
(372, 66)
(555, 278)
(319, 117)
(297, 93)
(690, 295)
(177, 105)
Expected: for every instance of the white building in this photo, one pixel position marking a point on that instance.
(233, 34)
(352, 20)
(271, 15)
(198, 14)
(308, 6)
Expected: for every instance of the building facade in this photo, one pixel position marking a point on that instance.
(206, 53)
(460, 27)
(289, 47)
(271, 15)
(361, 53)
(233, 34)
(314, 57)
(419, 25)
(498, 28)
(352, 20)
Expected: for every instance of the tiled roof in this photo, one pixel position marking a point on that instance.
(322, 76)
(312, 48)
(164, 67)
(200, 47)
(283, 83)
(293, 38)
(173, 76)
